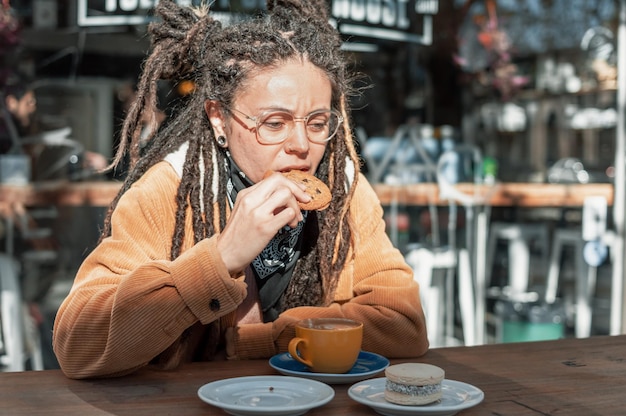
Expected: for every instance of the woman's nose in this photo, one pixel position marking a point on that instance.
(298, 142)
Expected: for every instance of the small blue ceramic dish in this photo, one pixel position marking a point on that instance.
(367, 365)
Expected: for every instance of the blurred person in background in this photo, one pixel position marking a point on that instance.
(19, 104)
(18, 123)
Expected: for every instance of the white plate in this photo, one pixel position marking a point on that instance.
(266, 395)
(367, 365)
(456, 397)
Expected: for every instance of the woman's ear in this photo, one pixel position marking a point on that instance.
(215, 113)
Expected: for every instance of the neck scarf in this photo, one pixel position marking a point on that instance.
(274, 266)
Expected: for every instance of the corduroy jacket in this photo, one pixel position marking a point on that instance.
(129, 303)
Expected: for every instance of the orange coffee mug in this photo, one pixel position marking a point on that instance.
(327, 345)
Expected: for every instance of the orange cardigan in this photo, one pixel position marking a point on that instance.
(129, 303)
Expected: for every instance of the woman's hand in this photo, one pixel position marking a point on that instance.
(259, 213)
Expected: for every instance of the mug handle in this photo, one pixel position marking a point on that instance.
(293, 350)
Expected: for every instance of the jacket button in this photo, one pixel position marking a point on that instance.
(214, 305)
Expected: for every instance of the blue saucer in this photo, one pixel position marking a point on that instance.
(367, 365)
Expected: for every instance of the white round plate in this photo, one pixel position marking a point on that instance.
(266, 395)
(456, 397)
(367, 365)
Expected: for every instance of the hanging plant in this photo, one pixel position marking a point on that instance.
(485, 51)
(9, 28)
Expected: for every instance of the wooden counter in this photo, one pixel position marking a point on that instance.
(62, 193)
(502, 194)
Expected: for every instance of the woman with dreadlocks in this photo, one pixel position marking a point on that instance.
(204, 255)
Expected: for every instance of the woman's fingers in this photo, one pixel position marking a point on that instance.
(260, 211)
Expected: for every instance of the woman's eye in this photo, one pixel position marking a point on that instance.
(275, 125)
(275, 122)
(317, 124)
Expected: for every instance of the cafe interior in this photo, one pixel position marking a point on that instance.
(491, 130)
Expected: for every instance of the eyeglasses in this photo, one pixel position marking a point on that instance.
(274, 127)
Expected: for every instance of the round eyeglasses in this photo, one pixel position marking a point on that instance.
(274, 127)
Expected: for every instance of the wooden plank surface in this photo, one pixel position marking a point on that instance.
(564, 377)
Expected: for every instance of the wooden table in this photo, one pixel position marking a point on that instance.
(502, 194)
(564, 377)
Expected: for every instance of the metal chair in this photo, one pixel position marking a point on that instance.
(12, 349)
(20, 339)
(519, 238)
(439, 290)
(460, 164)
(593, 230)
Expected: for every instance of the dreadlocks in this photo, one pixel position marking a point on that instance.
(188, 44)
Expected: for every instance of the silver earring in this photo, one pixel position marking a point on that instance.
(221, 141)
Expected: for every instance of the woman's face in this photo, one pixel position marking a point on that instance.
(297, 87)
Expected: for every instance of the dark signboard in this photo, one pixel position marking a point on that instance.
(391, 20)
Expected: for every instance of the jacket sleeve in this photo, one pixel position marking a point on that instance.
(127, 304)
(376, 287)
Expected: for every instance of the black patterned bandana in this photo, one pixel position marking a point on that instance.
(274, 266)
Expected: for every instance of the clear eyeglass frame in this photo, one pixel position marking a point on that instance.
(274, 127)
